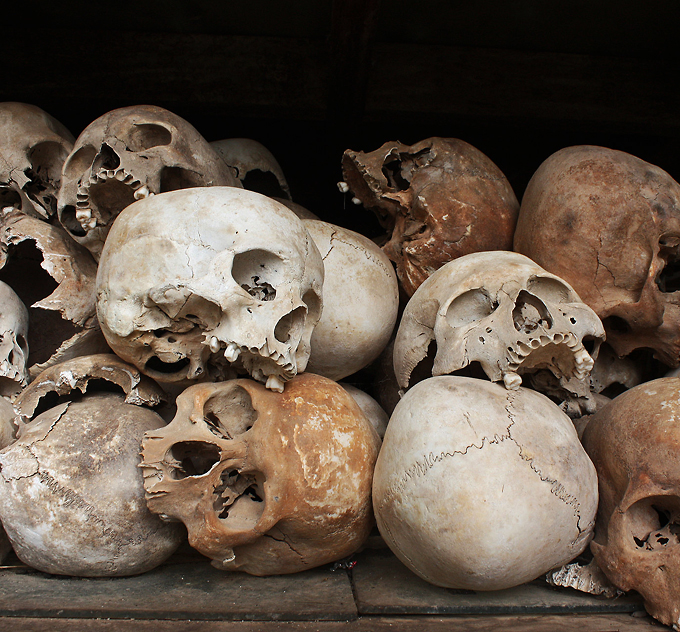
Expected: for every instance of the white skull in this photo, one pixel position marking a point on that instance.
(13, 345)
(502, 310)
(265, 482)
(482, 488)
(255, 166)
(33, 147)
(361, 301)
(201, 275)
(128, 154)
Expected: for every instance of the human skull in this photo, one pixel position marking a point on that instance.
(71, 492)
(504, 311)
(255, 166)
(265, 483)
(191, 278)
(438, 199)
(361, 301)
(55, 277)
(480, 488)
(128, 154)
(634, 443)
(609, 224)
(33, 147)
(13, 345)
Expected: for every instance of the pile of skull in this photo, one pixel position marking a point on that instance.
(189, 324)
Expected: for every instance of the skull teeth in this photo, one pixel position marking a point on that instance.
(512, 381)
(275, 383)
(214, 344)
(232, 352)
(142, 193)
(583, 362)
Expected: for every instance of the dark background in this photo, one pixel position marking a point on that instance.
(311, 78)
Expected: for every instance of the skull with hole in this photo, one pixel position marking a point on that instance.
(255, 166)
(634, 443)
(13, 345)
(265, 483)
(197, 283)
(128, 154)
(55, 277)
(438, 199)
(503, 311)
(609, 224)
(33, 148)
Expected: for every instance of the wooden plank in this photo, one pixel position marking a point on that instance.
(187, 590)
(545, 623)
(383, 585)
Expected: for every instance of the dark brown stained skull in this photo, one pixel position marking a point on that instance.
(266, 483)
(438, 199)
(33, 148)
(608, 223)
(126, 155)
(634, 442)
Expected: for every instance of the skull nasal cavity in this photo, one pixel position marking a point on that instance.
(106, 159)
(530, 313)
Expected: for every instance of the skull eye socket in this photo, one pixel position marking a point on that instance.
(655, 522)
(230, 413)
(80, 162)
(193, 458)
(550, 290)
(470, 307)
(259, 273)
(147, 135)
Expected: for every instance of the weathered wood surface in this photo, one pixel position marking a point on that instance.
(383, 585)
(545, 623)
(187, 590)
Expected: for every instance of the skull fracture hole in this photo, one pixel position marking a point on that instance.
(193, 458)
(655, 522)
(530, 313)
(230, 414)
(239, 499)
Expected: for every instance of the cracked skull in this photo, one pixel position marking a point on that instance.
(205, 281)
(13, 345)
(439, 199)
(33, 148)
(609, 224)
(265, 483)
(72, 496)
(481, 488)
(634, 442)
(128, 154)
(503, 311)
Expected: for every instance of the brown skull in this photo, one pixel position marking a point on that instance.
(126, 155)
(266, 483)
(438, 199)
(608, 223)
(634, 442)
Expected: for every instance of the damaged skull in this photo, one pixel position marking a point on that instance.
(13, 345)
(609, 224)
(503, 311)
(438, 199)
(634, 442)
(265, 483)
(126, 155)
(33, 148)
(197, 283)
(480, 488)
